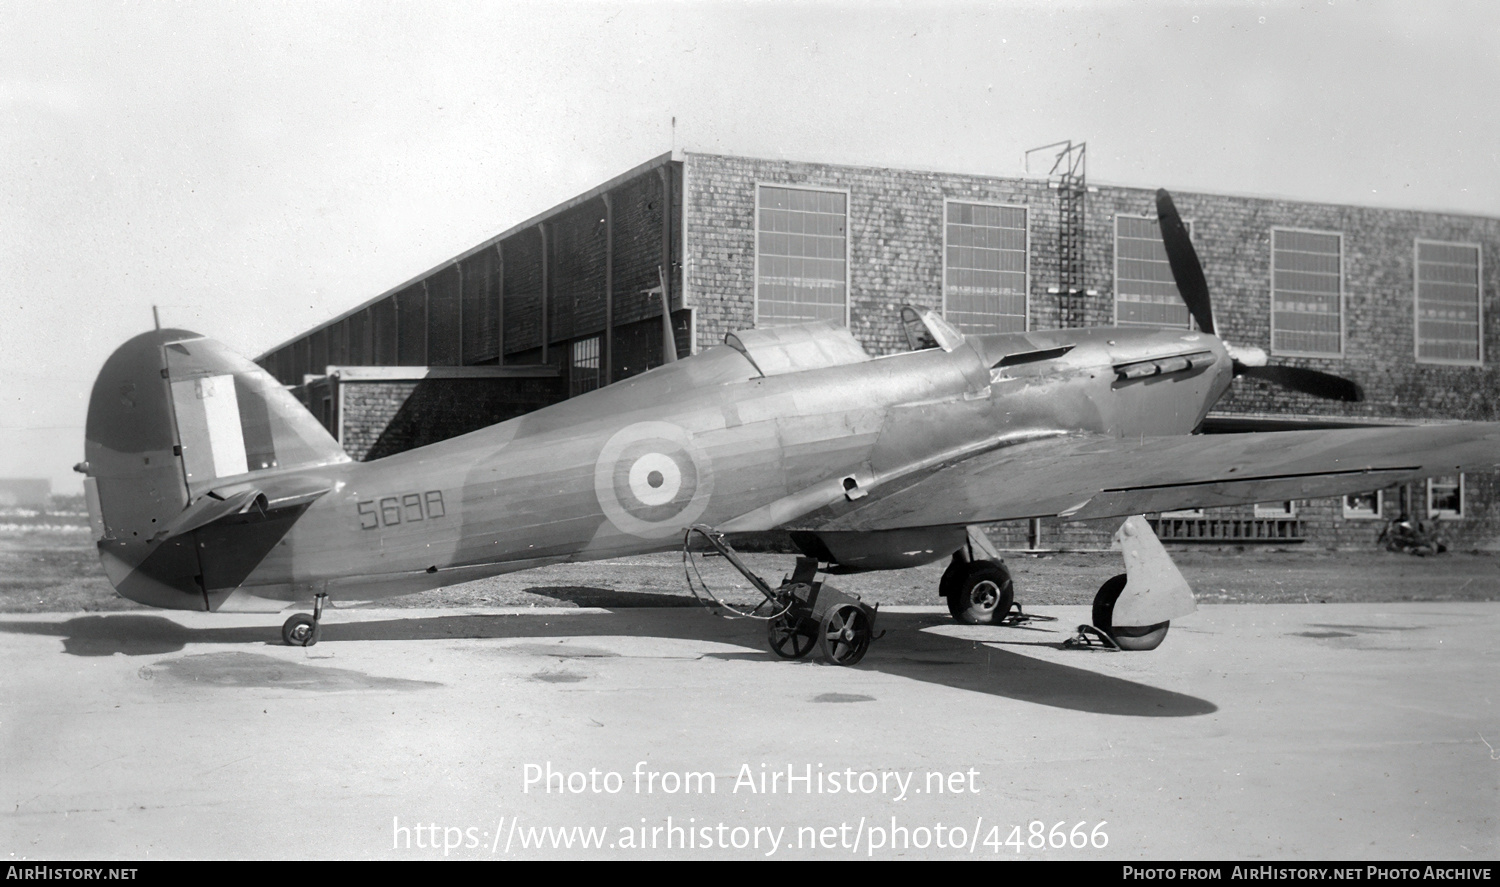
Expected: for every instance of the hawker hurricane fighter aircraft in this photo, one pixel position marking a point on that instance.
(212, 487)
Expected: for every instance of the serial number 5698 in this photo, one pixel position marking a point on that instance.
(389, 511)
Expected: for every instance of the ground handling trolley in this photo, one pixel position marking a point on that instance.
(801, 613)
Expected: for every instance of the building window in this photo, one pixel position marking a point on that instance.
(1364, 506)
(1145, 291)
(1449, 314)
(1445, 497)
(801, 256)
(984, 268)
(583, 373)
(1307, 293)
(1276, 509)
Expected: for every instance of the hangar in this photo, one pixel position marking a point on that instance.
(688, 246)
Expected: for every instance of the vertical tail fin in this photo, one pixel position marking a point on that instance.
(172, 416)
(232, 418)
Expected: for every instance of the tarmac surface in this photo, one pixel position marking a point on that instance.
(1282, 731)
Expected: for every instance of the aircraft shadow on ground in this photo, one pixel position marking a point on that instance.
(589, 596)
(975, 665)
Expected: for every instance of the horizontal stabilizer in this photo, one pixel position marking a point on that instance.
(268, 495)
(279, 492)
(204, 512)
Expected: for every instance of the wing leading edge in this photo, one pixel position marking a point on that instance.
(1085, 477)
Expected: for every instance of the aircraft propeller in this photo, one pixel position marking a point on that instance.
(1248, 361)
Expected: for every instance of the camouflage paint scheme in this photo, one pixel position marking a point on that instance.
(883, 461)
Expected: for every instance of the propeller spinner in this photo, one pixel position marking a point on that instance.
(1188, 272)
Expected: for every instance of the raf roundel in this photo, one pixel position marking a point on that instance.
(651, 480)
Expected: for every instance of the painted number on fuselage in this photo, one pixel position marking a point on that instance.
(408, 508)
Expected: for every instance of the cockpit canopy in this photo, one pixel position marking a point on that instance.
(791, 349)
(777, 350)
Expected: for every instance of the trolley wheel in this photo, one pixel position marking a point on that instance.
(845, 634)
(981, 592)
(300, 630)
(1126, 637)
(790, 637)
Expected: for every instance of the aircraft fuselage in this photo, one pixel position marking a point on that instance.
(707, 440)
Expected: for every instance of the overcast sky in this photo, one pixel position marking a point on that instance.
(254, 169)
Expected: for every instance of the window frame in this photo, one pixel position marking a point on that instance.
(947, 201)
(1283, 510)
(1354, 514)
(1343, 296)
(1448, 515)
(848, 244)
(1192, 323)
(1416, 301)
(574, 366)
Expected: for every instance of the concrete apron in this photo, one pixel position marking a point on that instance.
(1256, 731)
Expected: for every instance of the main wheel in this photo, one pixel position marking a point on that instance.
(1127, 637)
(300, 631)
(979, 592)
(844, 634)
(791, 637)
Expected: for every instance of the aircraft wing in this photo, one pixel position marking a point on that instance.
(1084, 477)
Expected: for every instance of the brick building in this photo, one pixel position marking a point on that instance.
(1398, 300)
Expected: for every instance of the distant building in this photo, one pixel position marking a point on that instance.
(1400, 301)
(26, 492)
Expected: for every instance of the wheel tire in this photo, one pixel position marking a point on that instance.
(300, 631)
(790, 637)
(1126, 637)
(844, 634)
(981, 593)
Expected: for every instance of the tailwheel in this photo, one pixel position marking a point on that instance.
(845, 634)
(790, 636)
(1126, 637)
(978, 592)
(300, 630)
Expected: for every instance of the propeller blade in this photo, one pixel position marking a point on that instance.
(1186, 269)
(1312, 382)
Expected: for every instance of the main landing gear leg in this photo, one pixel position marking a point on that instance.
(302, 630)
(977, 584)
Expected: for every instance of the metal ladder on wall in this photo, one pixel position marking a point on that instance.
(1069, 177)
